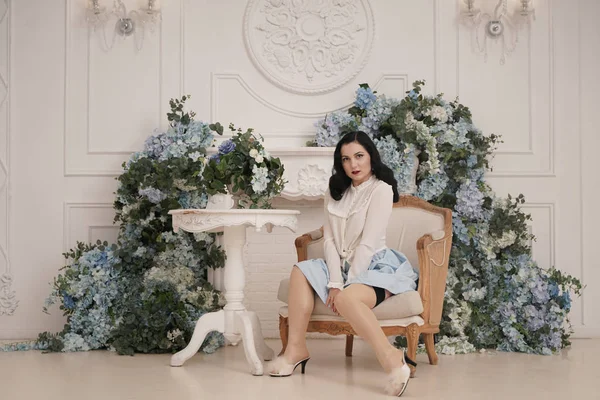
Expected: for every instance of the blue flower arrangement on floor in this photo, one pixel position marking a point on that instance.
(496, 295)
(145, 293)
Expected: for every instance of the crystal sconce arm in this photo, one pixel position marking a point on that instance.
(135, 23)
(498, 26)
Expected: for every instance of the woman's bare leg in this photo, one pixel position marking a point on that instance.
(300, 306)
(355, 304)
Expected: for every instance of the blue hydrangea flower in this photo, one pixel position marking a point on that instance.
(364, 98)
(379, 112)
(476, 175)
(460, 230)
(433, 186)
(331, 128)
(198, 135)
(68, 302)
(471, 161)
(178, 140)
(154, 195)
(401, 163)
(193, 200)
(553, 289)
(469, 201)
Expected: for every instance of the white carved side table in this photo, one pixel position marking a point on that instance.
(234, 321)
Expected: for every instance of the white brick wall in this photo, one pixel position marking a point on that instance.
(269, 258)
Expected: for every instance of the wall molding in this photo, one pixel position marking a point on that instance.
(218, 77)
(593, 331)
(8, 297)
(550, 171)
(551, 207)
(81, 158)
(68, 207)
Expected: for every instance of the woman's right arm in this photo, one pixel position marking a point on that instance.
(332, 257)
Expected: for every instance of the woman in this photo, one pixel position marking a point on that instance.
(359, 271)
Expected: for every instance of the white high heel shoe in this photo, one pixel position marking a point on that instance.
(281, 368)
(398, 378)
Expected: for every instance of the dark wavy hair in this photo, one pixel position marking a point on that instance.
(339, 181)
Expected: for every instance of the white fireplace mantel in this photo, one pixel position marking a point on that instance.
(307, 171)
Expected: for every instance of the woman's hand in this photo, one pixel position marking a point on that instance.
(331, 299)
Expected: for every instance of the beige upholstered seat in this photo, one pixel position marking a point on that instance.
(422, 232)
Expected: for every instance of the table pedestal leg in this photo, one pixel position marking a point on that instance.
(214, 321)
(234, 321)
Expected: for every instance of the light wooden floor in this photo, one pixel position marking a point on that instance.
(574, 374)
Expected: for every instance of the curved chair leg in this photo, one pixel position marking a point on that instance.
(349, 344)
(412, 339)
(430, 347)
(283, 333)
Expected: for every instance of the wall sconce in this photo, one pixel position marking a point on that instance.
(126, 24)
(499, 26)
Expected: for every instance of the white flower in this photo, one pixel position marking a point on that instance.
(507, 239)
(438, 113)
(259, 159)
(202, 236)
(181, 184)
(469, 267)
(259, 180)
(172, 335)
(454, 345)
(475, 294)
(195, 156)
(253, 153)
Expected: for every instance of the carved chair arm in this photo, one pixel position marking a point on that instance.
(434, 255)
(303, 241)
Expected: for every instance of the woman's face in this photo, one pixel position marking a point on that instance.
(356, 162)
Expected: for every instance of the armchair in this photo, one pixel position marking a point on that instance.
(423, 232)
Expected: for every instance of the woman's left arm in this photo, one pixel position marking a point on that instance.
(377, 219)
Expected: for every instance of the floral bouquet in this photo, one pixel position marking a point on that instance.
(496, 296)
(243, 167)
(145, 293)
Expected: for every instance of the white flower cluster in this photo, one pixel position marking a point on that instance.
(260, 178)
(259, 156)
(425, 137)
(475, 294)
(174, 334)
(454, 345)
(437, 113)
(182, 278)
(491, 245)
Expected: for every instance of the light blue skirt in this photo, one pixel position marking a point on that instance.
(389, 269)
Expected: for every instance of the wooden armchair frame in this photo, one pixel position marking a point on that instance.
(433, 255)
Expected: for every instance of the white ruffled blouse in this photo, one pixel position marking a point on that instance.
(355, 228)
